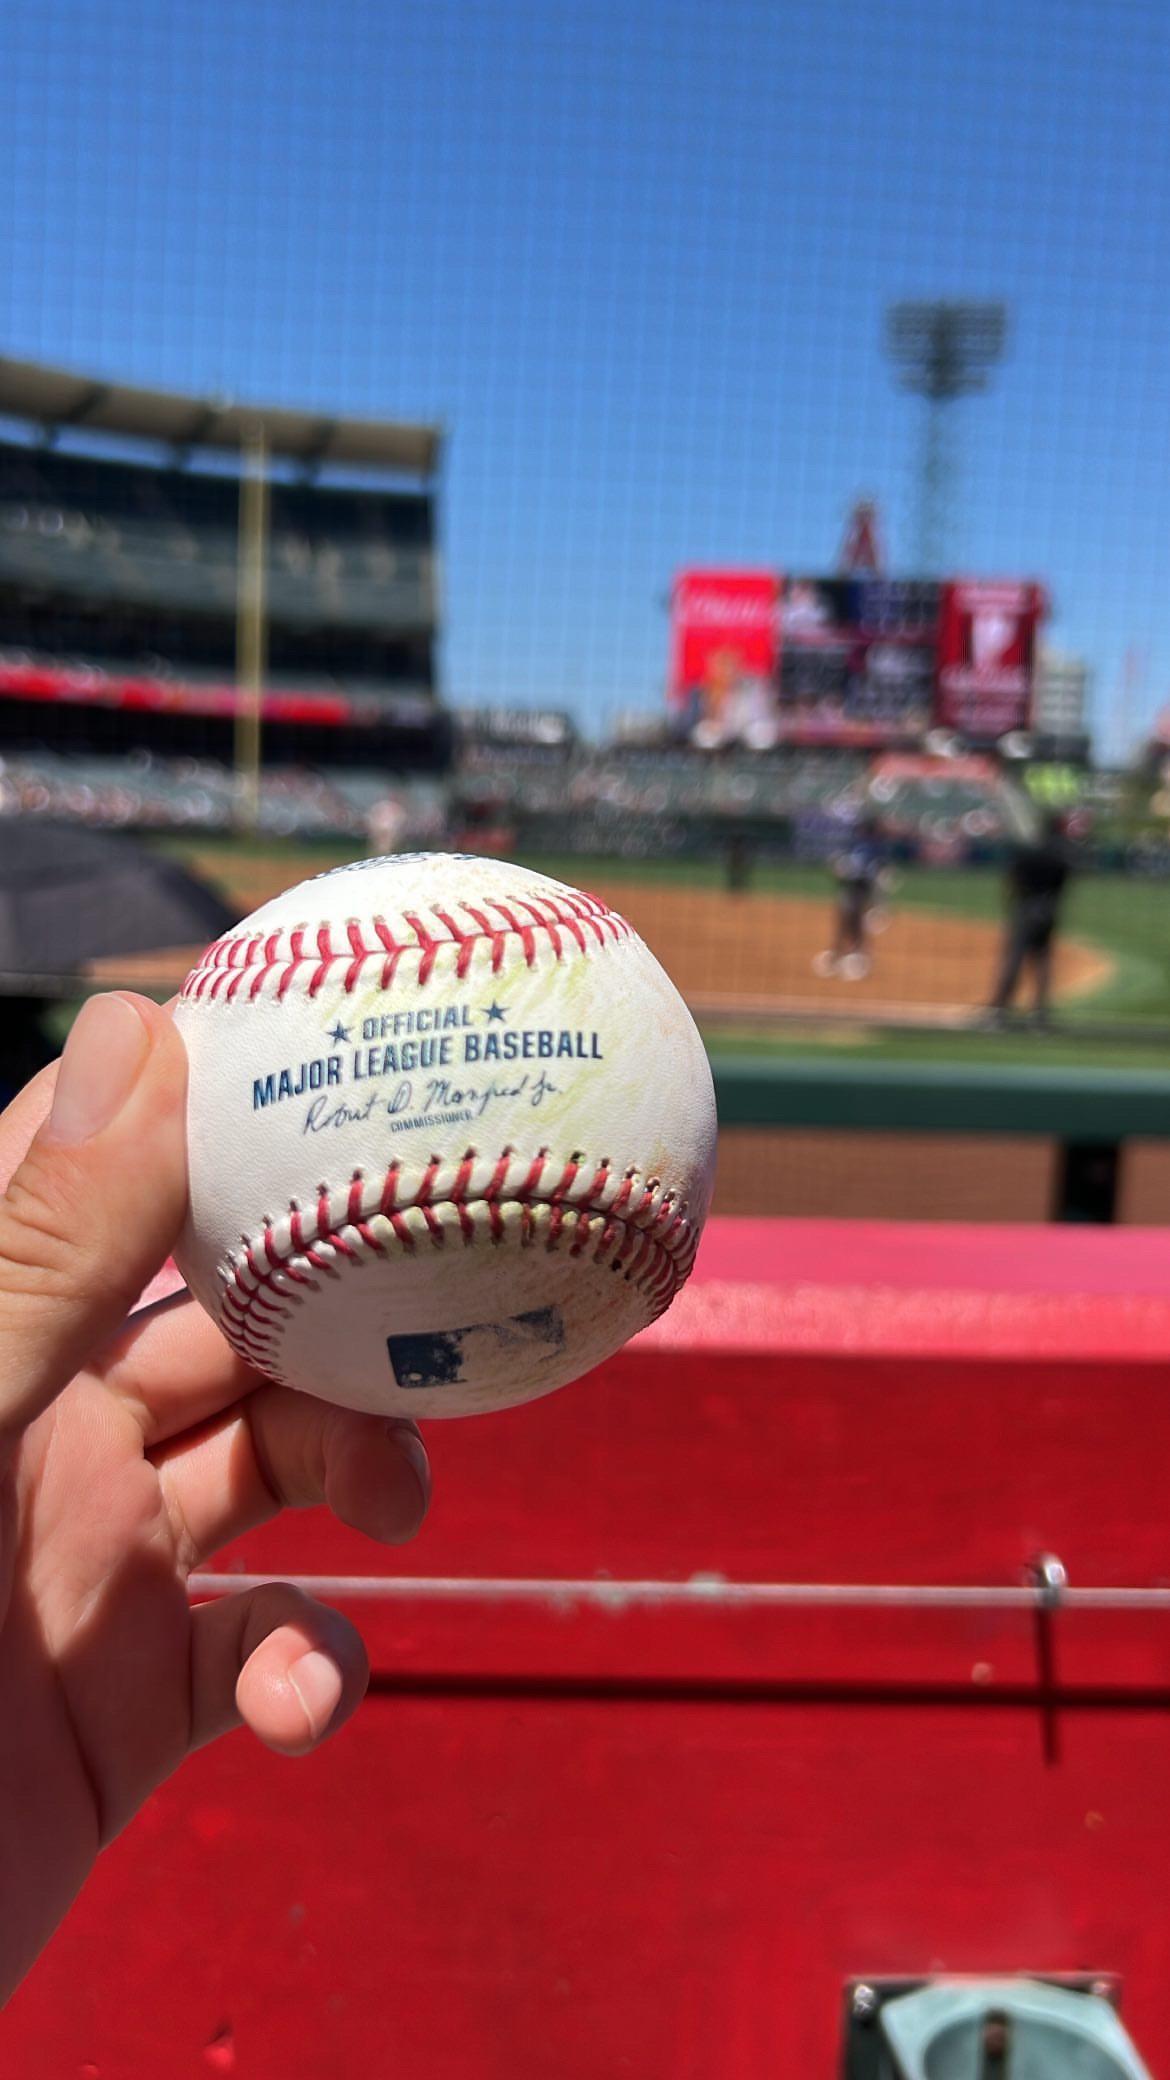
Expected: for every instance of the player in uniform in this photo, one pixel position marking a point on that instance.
(861, 877)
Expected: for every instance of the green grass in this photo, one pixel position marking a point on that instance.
(307, 853)
(1129, 920)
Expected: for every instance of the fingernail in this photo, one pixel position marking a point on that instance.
(317, 1682)
(103, 1056)
(414, 1451)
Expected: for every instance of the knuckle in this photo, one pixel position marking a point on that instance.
(277, 1452)
(269, 1608)
(47, 1235)
(38, 1230)
(289, 1444)
(276, 1601)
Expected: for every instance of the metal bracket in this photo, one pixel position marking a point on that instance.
(866, 2054)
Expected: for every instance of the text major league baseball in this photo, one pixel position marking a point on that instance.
(420, 1043)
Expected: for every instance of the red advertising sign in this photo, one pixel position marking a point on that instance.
(987, 643)
(724, 629)
(93, 686)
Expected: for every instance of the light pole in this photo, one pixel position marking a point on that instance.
(251, 623)
(942, 351)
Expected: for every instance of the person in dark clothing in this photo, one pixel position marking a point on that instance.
(738, 869)
(1037, 881)
(859, 872)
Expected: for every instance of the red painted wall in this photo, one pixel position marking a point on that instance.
(579, 1841)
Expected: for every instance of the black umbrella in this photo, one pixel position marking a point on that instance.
(70, 896)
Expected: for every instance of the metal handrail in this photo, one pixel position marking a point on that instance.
(700, 1592)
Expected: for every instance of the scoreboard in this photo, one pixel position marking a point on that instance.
(858, 660)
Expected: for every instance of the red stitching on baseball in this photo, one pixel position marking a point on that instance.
(600, 1180)
(296, 940)
(523, 926)
(532, 1181)
(566, 1180)
(592, 911)
(544, 923)
(394, 951)
(572, 925)
(358, 949)
(655, 1243)
(464, 940)
(488, 930)
(325, 959)
(254, 958)
(496, 1185)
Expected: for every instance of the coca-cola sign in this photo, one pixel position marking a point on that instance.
(724, 626)
(713, 606)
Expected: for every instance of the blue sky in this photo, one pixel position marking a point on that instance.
(634, 255)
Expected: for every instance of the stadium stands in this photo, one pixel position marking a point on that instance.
(118, 532)
(543, 798)
(119, 588)
(636, 800)
(949, 809)
(118, 701)
(144, 792)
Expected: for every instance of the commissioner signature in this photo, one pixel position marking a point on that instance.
(443, 1094)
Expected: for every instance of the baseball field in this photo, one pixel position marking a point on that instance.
(745, 961)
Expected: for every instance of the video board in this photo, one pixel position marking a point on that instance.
(857, 659)
(863, 660)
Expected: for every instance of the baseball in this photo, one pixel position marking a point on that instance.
(451, 1133)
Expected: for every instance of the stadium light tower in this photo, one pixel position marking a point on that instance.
(942, 351)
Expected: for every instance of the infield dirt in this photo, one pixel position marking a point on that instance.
(756, 952)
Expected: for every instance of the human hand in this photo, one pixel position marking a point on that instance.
(130, 1450)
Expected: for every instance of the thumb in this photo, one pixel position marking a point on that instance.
(92, 1211)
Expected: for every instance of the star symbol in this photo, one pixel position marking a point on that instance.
(494, 1011)
(339, 1033)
